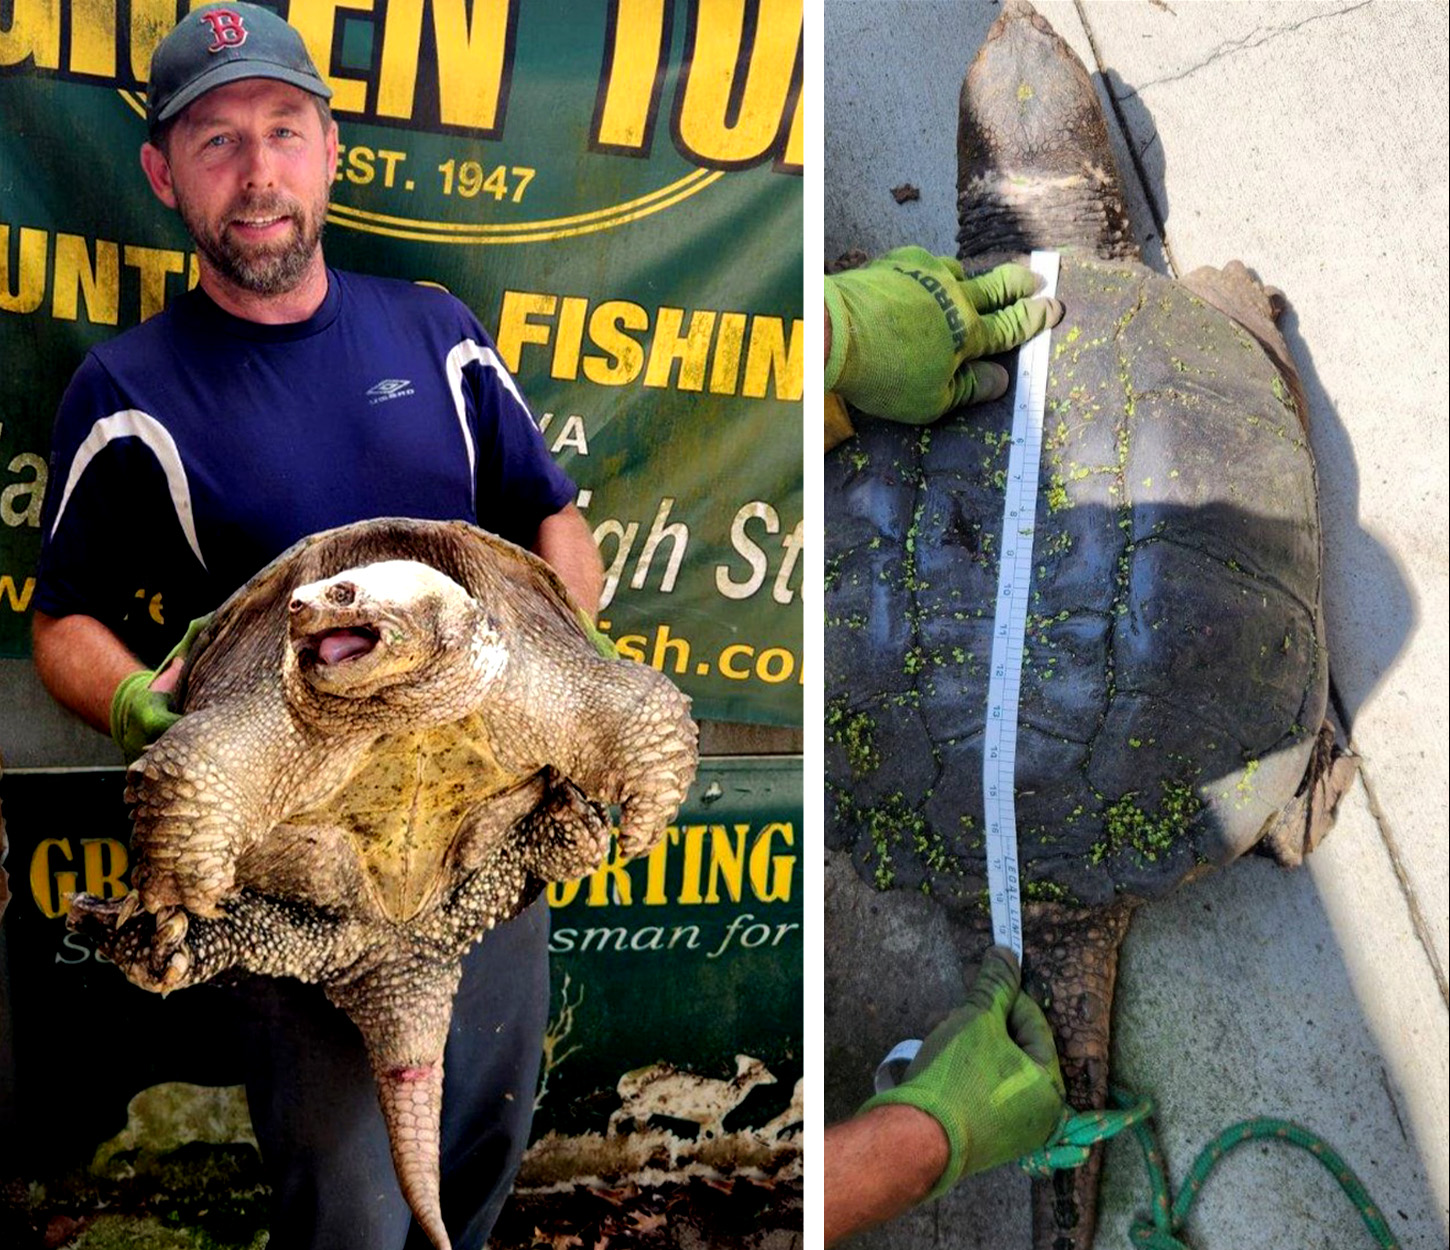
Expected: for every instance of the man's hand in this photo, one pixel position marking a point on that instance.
(602, 643)
(988, 1074)
(141, 707)
(906, 332)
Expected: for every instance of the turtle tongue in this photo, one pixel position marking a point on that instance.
(342, 644)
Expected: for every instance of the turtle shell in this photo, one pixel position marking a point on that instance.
(1174, 673)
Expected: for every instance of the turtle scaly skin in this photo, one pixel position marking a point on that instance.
(1175, 675)
(395, 736)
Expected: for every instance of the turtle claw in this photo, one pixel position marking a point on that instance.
(165, 969)
(175, 971)
(167, 960)
(171, 927)
(129, 906)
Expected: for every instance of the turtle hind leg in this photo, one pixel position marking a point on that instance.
(566, 835)
(152, 950)
(548, 830)
(1071, 969)
(174, 948)
(1301, 825)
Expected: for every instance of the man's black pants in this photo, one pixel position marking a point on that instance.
(315, 1111)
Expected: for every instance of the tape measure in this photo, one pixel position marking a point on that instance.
(1009, 631)
(1009, 626)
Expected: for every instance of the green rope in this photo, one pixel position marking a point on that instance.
(1077, 1134)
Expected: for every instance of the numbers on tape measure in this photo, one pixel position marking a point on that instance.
(1010, 625)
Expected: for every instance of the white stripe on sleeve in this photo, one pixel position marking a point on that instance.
(466, 353)
(133, 423)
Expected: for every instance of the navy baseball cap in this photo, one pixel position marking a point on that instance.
(225, 43)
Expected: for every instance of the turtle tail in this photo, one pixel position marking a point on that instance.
(1072, 971)
(402, 1008)
(412, 1102)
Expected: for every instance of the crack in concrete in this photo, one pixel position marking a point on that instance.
(1136, 153)
(1412, 900)
(1254, 39)
(1394, 1104)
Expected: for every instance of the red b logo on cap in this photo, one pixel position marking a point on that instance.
(227, 30)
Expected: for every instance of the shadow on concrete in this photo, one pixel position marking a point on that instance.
(1378, 576)
(1142, 166)
(1146, 164)
(1220, 1016)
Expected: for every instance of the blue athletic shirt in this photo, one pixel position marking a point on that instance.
(196, 447)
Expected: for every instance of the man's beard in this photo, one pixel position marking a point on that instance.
(268, 269)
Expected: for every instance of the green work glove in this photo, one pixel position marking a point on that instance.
(908, 328)
(602, 643)
(140, 715)
(988, 1074)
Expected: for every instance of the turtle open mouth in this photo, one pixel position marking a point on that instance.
(337, 646)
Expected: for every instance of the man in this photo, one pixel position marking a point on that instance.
(281, 398)
(984, 1089)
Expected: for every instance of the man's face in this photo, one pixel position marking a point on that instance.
(249, 166)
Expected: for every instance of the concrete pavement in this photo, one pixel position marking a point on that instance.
(1308, 140)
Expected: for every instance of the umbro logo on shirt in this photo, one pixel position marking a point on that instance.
(390, 388)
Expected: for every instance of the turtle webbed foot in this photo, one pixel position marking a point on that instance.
(152, 950)
(566, 835)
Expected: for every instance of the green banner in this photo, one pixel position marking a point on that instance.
(687, 958)
(613, 188)
(676, 1002)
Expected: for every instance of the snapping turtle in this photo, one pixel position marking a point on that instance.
(1175, 675)
(396, 734)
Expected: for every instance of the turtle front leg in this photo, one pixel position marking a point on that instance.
(189, 823)
(1072, 970)
(648, 760)
(1237, 293)
(620, 732)
(210, 788)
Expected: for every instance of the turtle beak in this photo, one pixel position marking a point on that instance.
(328, 632)
(331, 628)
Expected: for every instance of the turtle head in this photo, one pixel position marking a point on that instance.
(397, 630)
(1034, 164)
